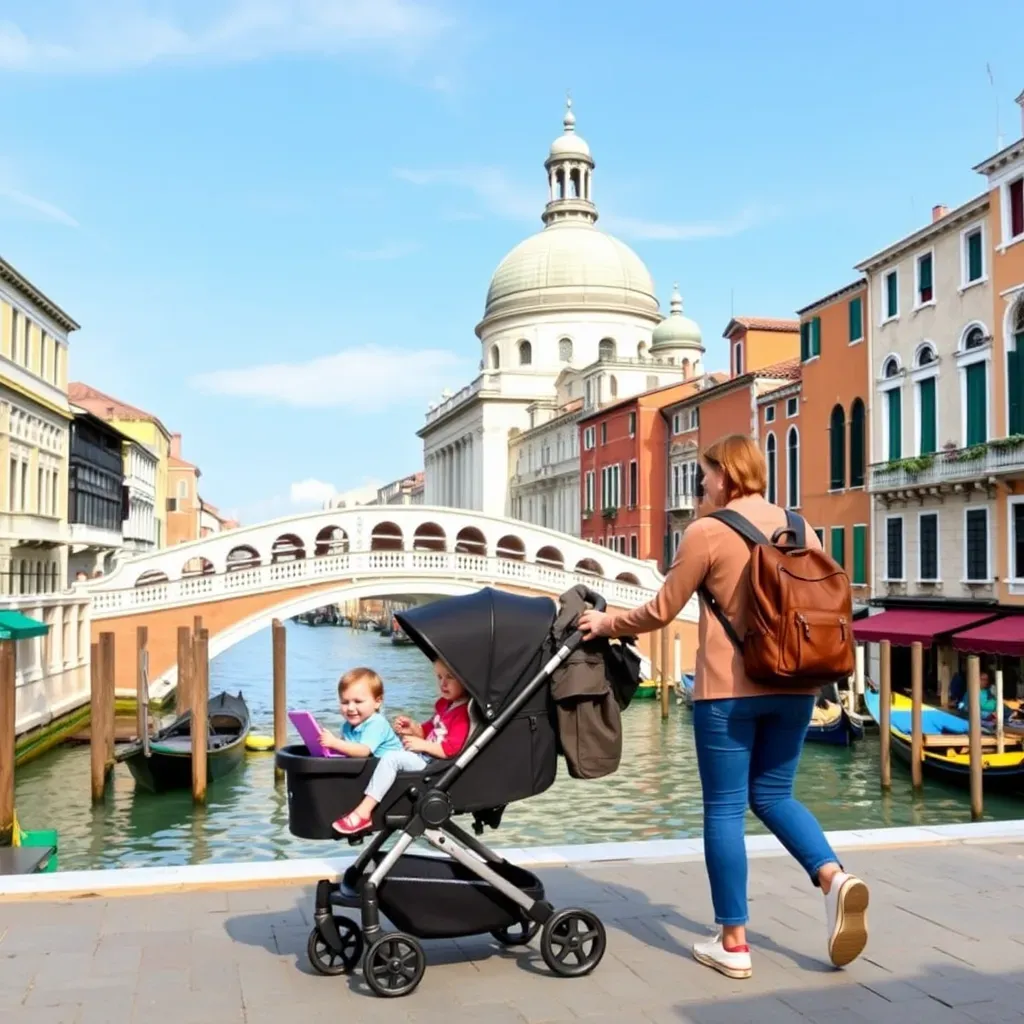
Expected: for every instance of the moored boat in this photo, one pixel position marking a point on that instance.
(168, 762)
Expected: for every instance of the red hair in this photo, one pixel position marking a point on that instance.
(362, 675)
(741, 464)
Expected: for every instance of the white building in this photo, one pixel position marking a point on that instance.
(570, 307)
(140, 479)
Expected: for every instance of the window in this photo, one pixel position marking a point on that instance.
(926, 414)
(565, 351)
(793, 468)
(810, 339)
(652, 381)
(632, 424)
(525, 353)
(769, 414)
(819, 532)
(1015, 207)
(1015, 370)
(894, 549)
(837, 450)
(928, 547)
(588, 498)
(613, 386)
(677, 538)
(857, 443)
(610, 487)
(838, 545)
(891, 295)
(606, 349)
(771, 458)
(860, 568)
(1017, 538)
(588, 438)
(604, 432)
(182, 488)
(973, 360)
(695, 414)
(495, 357)
(677, 423)
(634, 485)
(973, 256)
(737, 359)
(855, 309)
(632, 546)
(923, 276)
(792, 407)
(976, 545)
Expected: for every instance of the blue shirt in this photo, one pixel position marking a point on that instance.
(375, 733)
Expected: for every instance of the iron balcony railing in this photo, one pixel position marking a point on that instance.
(999, 457)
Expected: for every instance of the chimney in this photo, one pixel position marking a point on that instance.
(176, 446)
(938, 212)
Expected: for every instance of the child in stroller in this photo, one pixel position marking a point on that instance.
(502, 649)
(442, 737)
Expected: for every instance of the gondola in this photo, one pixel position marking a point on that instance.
(946, 753)
(169, 761)
(835, 726)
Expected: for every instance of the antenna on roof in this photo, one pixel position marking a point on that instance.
(995, 97)
(732, 303)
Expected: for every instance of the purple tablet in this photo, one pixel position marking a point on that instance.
(309, 731)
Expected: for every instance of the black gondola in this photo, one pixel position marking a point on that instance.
(168, 764)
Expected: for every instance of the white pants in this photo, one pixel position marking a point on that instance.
(388, 767)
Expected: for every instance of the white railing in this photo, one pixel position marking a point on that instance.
(52, 675)
(950, 466)
(682, 503)
(415, 567)
(483, 382)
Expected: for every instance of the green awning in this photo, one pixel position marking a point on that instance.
(15, 626)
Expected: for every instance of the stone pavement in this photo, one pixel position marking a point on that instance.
(947, 945)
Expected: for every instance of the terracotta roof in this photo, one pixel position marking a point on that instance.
(636, 399)
(107, 407)
(788, 369)
(175, 463)
(760, 323)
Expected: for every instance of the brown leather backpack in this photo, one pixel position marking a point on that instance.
(799, 608)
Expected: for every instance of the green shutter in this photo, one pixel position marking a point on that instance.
(891, 296)
(927, 398)
(805, 342)
(925, 274)
(974, 261)
(860, 573)
(856, 319)
(895, 424)
(977, 399)
(839, 544)
(816, 336)
(1013, 390)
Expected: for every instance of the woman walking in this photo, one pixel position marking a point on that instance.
(749, 736)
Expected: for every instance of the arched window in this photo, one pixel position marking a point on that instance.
(686, 369)
(737, 359)
(891, 369)
(926, 373)
(641, 350)
(1015, 369)
(857, 443)
(606, 349)
(613, 386)
(565, 351)
(525, 353)
(837, 449)
(973, 359)
(771, 457)
(182, 488)
(892, 432)
(495, 357)
(793, 468)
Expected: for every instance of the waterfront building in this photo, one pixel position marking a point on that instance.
(758, 342)
(569, 298)
(140, 426)
(407, 490)
(96, 495)
(140, 472)
(34, 430)
(834, 395)
(183, 502)
(365, 495)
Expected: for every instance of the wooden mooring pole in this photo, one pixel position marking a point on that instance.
(916, 703)
(183, 698)
(280, 669)
(101, 713)
(141, 683)
(200, 693)
(666, 674)
(885, 713)
(8, 672)
(974, 735)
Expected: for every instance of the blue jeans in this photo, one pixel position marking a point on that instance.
(388, 767)
(748, 749)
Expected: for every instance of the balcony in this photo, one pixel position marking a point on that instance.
(681, 503)
(950, 469)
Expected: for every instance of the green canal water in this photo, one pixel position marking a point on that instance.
(654, 795)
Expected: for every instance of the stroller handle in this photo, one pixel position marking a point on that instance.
(592, 597)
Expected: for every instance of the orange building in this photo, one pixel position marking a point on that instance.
(623, 473)
(183, 502)
(833, 400)
(757, 342)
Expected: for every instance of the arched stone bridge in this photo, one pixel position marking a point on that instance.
(241, 580)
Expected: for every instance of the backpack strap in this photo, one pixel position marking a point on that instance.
(795, 527)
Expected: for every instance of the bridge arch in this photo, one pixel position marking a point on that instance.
(470, 541)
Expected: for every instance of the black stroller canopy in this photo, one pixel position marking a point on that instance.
(489, 640)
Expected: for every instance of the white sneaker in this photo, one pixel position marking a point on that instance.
(846, 918)
(732, 963)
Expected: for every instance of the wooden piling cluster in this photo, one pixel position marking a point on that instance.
(8, 669)
(278, 634)
(919, 743)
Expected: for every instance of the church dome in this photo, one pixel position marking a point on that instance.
(676, 330)
(570, 264)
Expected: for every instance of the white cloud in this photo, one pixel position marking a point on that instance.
(40, 207)
(383, 253)
(366, 378)
(666, 231)
(311, 492)
(82, 39)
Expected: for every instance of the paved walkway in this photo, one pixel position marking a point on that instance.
(947, 945)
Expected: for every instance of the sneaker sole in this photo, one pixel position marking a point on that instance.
(736, 973)
(851, 931)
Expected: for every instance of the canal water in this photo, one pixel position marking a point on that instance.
(654, 795)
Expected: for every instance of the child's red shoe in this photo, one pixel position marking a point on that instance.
(352, 824)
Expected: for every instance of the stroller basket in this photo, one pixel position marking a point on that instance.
(438, 898)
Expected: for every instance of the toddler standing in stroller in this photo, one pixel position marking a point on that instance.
(441, 737)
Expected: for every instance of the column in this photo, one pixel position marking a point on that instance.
(470, 472)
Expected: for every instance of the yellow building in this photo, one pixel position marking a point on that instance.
(141, 426)
(34, 434)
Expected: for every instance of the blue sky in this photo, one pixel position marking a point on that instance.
(276, 219)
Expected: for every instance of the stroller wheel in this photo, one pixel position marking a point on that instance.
(323, 958)
(573, 942)
(519, 934)
(394, 965)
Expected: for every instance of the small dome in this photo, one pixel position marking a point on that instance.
(569, 144)
(676, 330)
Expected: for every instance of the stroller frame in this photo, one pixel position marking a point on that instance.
(573, 940)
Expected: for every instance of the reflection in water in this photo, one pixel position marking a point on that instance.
(654, 795)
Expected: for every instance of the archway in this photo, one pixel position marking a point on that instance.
(287, 548)
(470, 541)
(429, 537)
(386, 537)
(148, 579)
(589, 566)
(331, 540)
(198, 567)
(242, 557)
(628, 577)
(551, 556)
(512, 547)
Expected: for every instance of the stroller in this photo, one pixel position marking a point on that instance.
(495, 644)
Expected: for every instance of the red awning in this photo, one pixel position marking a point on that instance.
(1003, 636)
(904, 626)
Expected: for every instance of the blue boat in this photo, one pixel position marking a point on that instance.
(841, 731)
